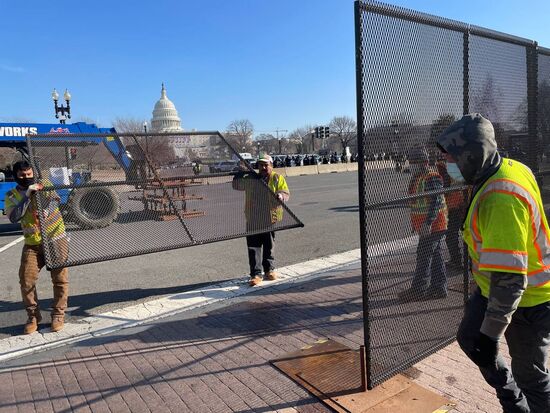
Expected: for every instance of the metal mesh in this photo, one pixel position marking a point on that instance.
(543, 121)
(126, 195)
(411, 85)
(544, 109)
(498, 90)
(416, 74)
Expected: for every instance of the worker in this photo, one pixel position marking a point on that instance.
(455, 214)
(262, 210)
(429, 221)
(507, 236)
(21, 206)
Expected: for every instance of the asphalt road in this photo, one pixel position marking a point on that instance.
(327, 204)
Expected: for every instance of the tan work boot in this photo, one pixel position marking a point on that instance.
(32, 323)
(257, 280)
(58, 321)
(272, 275)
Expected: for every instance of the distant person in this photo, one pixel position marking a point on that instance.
(507, 235)
(197, 168)
(21, 207)
(262, 212)
(429, 221)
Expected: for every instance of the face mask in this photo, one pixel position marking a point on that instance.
(454, 172)
(24, 182)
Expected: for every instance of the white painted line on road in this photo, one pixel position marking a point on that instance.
(112, 321)
(11, 244)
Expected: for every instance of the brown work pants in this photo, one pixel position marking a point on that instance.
(32, 261)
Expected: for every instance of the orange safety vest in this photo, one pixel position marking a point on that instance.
(420, 206)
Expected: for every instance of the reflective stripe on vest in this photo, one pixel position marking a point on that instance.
(512, 179)
(53, 222)
(420, 206)
(276, 209)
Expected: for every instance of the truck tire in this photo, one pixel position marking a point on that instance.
(95, 207)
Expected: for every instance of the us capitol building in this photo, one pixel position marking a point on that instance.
(166, 119)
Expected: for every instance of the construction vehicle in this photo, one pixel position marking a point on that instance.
(76, 204)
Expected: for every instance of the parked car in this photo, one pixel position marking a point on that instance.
(225, 166)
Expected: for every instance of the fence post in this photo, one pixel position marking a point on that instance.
(466, 73)
(532, 106)
(361, 144)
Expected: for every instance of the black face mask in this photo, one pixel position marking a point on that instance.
(24, 182)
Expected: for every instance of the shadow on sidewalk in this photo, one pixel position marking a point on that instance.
(210, 349)
(80, 305)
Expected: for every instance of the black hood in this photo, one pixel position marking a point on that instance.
(471, 142)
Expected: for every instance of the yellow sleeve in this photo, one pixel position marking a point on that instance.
(504, 222)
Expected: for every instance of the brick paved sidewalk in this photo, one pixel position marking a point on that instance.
(216, 359)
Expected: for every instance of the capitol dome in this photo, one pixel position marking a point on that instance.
(165, 115)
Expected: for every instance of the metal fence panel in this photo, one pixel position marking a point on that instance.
(410, 87)
(416, 74)
(498, 90)
(125, 195)
(544, 109)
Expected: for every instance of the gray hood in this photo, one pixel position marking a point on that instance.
(471, 142)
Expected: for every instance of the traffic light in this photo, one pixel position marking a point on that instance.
(317, 132)
(72, 153)
(327, 132)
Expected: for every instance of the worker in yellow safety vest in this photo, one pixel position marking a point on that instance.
(508, 241)
(429, 221)
(21, 206)
(262, 212)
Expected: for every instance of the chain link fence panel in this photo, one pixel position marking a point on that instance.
(417, 74)
(122, 195)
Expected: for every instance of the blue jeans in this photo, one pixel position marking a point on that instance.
(430, 272)
(527, 387)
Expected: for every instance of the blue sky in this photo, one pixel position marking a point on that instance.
(282, 63)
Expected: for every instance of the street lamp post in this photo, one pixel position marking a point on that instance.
(62, 112)
(146, 140)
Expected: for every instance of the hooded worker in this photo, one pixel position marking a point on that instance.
(507, 235)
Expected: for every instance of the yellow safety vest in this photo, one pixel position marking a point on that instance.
(255, 206)
(420, 206)
(53, 221)
(506, 231)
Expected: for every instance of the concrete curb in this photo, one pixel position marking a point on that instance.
(112, 321)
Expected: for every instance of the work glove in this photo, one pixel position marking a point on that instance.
(485, 351)
(32, 189)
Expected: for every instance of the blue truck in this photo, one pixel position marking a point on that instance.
(78, 205)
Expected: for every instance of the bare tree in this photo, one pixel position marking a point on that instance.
(302, 138)
(159, 148)
(344, 129)
(128, 125)
(267, 143)
(239, 135)
(440, 124)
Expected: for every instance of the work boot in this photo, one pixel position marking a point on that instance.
(58, 321)
(272, 275)
(32, 323)
(254, 281)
